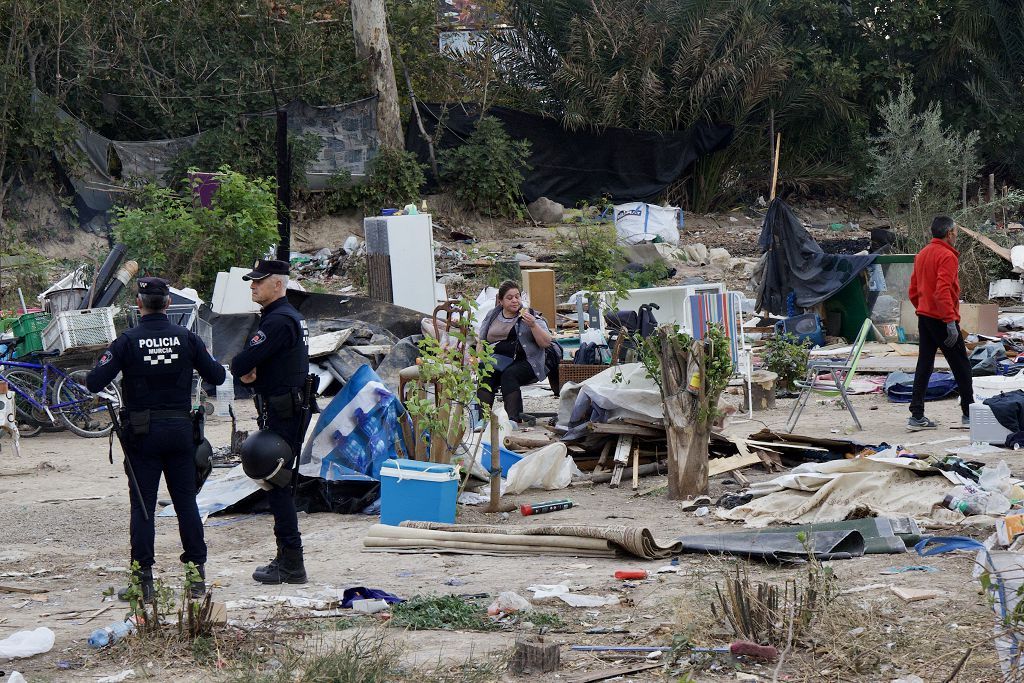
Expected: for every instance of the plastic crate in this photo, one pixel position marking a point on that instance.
(29, 331)
(77, 329)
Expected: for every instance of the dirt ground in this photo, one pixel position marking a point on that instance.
(65, 524)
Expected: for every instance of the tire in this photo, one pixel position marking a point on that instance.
(30, 419)
(88, 419)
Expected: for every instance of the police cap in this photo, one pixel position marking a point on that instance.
(265, 268)
(156, 286)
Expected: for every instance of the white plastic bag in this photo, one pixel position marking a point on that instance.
(548, 468)
(995, 478)
(27, 643)
(485, 302)
(508, 602)
(637, 222)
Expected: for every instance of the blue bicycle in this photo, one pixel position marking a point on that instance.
(46, 395)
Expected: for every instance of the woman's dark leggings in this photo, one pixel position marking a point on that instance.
(511, 379)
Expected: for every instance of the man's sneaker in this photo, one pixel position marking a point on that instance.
(965, 421)
(916, 424)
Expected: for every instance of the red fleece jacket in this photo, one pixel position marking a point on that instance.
(935, 284)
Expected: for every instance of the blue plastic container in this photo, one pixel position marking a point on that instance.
(417, 491)
(506, 458)
(806, 327)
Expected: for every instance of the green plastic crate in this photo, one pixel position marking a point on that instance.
(29, 331)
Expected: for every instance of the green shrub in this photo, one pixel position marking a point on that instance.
(786, 356)
(487, 172)
(177, 238)
(591, 259)
(395, 179)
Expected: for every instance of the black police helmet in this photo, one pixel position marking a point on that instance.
(266, 458)
(204, 463)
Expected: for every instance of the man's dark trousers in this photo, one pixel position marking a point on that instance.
(282, 500)
(168, 449)
(933, 333)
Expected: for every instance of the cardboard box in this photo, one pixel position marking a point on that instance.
(974, 319)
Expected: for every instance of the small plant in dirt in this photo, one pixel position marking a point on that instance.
(442, 613)
(786, 356)
(486, 172)
(396, 179)
(591, 259)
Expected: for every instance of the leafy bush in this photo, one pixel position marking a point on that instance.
(179, 239)
(591, 259)
(250, 148)
(918, 165)
(487, 172)
(786, 356)
(396, 179)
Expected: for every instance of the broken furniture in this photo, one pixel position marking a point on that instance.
(840, 375)
(400, 260)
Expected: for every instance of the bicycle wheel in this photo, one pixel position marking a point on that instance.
(30, 418)
(84, 415)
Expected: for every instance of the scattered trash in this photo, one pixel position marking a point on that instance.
(563, 592)
(527, 509)
(631, 574)
(111, 634)
(915, 594)
(911, 568)
(508, 602)
(16, 677)
(117, 678)
(367, 606)
(701, 512)
(27, 643)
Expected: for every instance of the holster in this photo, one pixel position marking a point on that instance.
(136, 421)
(198, 426)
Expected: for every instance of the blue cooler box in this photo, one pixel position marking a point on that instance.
(417, 491)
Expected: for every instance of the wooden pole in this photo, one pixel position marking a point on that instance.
(992, 194)
(775, 165)
(370, 29)
(493, 465)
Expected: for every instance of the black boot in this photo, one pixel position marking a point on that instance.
(198, 588)
(287, 567)
(145, 583)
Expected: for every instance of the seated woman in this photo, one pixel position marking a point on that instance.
(519, 336)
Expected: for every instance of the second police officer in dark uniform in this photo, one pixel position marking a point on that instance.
(156, 359)
(275, 363)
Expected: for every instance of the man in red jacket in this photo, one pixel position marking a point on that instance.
(935, 293)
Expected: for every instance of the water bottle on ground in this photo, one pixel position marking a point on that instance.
(102, 637)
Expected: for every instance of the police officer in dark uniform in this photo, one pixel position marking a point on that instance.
(275, 363)
(156, 359)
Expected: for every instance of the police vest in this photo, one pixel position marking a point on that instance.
(158, 369)
(288, 370)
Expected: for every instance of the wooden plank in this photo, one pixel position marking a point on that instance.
(636, 467)
(733, 462)
(782, 444)
(624, 429)
(996, 249)
(29, 590)
(614, 672)
(606, 450)
(621, 458)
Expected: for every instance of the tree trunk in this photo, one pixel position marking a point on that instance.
(687, 433)
(369, 24)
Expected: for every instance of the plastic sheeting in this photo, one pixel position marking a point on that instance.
(796, 265)
(619, 392)
(567, 166)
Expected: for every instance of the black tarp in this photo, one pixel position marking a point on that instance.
(569, 166)
(796, 264)
(780, 546)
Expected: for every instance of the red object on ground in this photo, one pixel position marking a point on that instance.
(625, 574)
(745, 647)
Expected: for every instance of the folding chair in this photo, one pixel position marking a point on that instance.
(725, 310)
(841, 375)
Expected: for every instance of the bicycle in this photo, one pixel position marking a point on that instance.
(42, 389)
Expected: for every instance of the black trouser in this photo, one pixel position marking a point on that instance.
(933, 333)
(282, 500)
(168, 449)
(511, 379)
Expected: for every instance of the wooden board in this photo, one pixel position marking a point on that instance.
(621, 458)
(734, 462)
(614, 672)
(627, 429)
(539, 285)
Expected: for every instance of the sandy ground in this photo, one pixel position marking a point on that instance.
(63, 514)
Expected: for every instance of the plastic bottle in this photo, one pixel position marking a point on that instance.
(972, 500)
(102, 637)
(225, 394)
